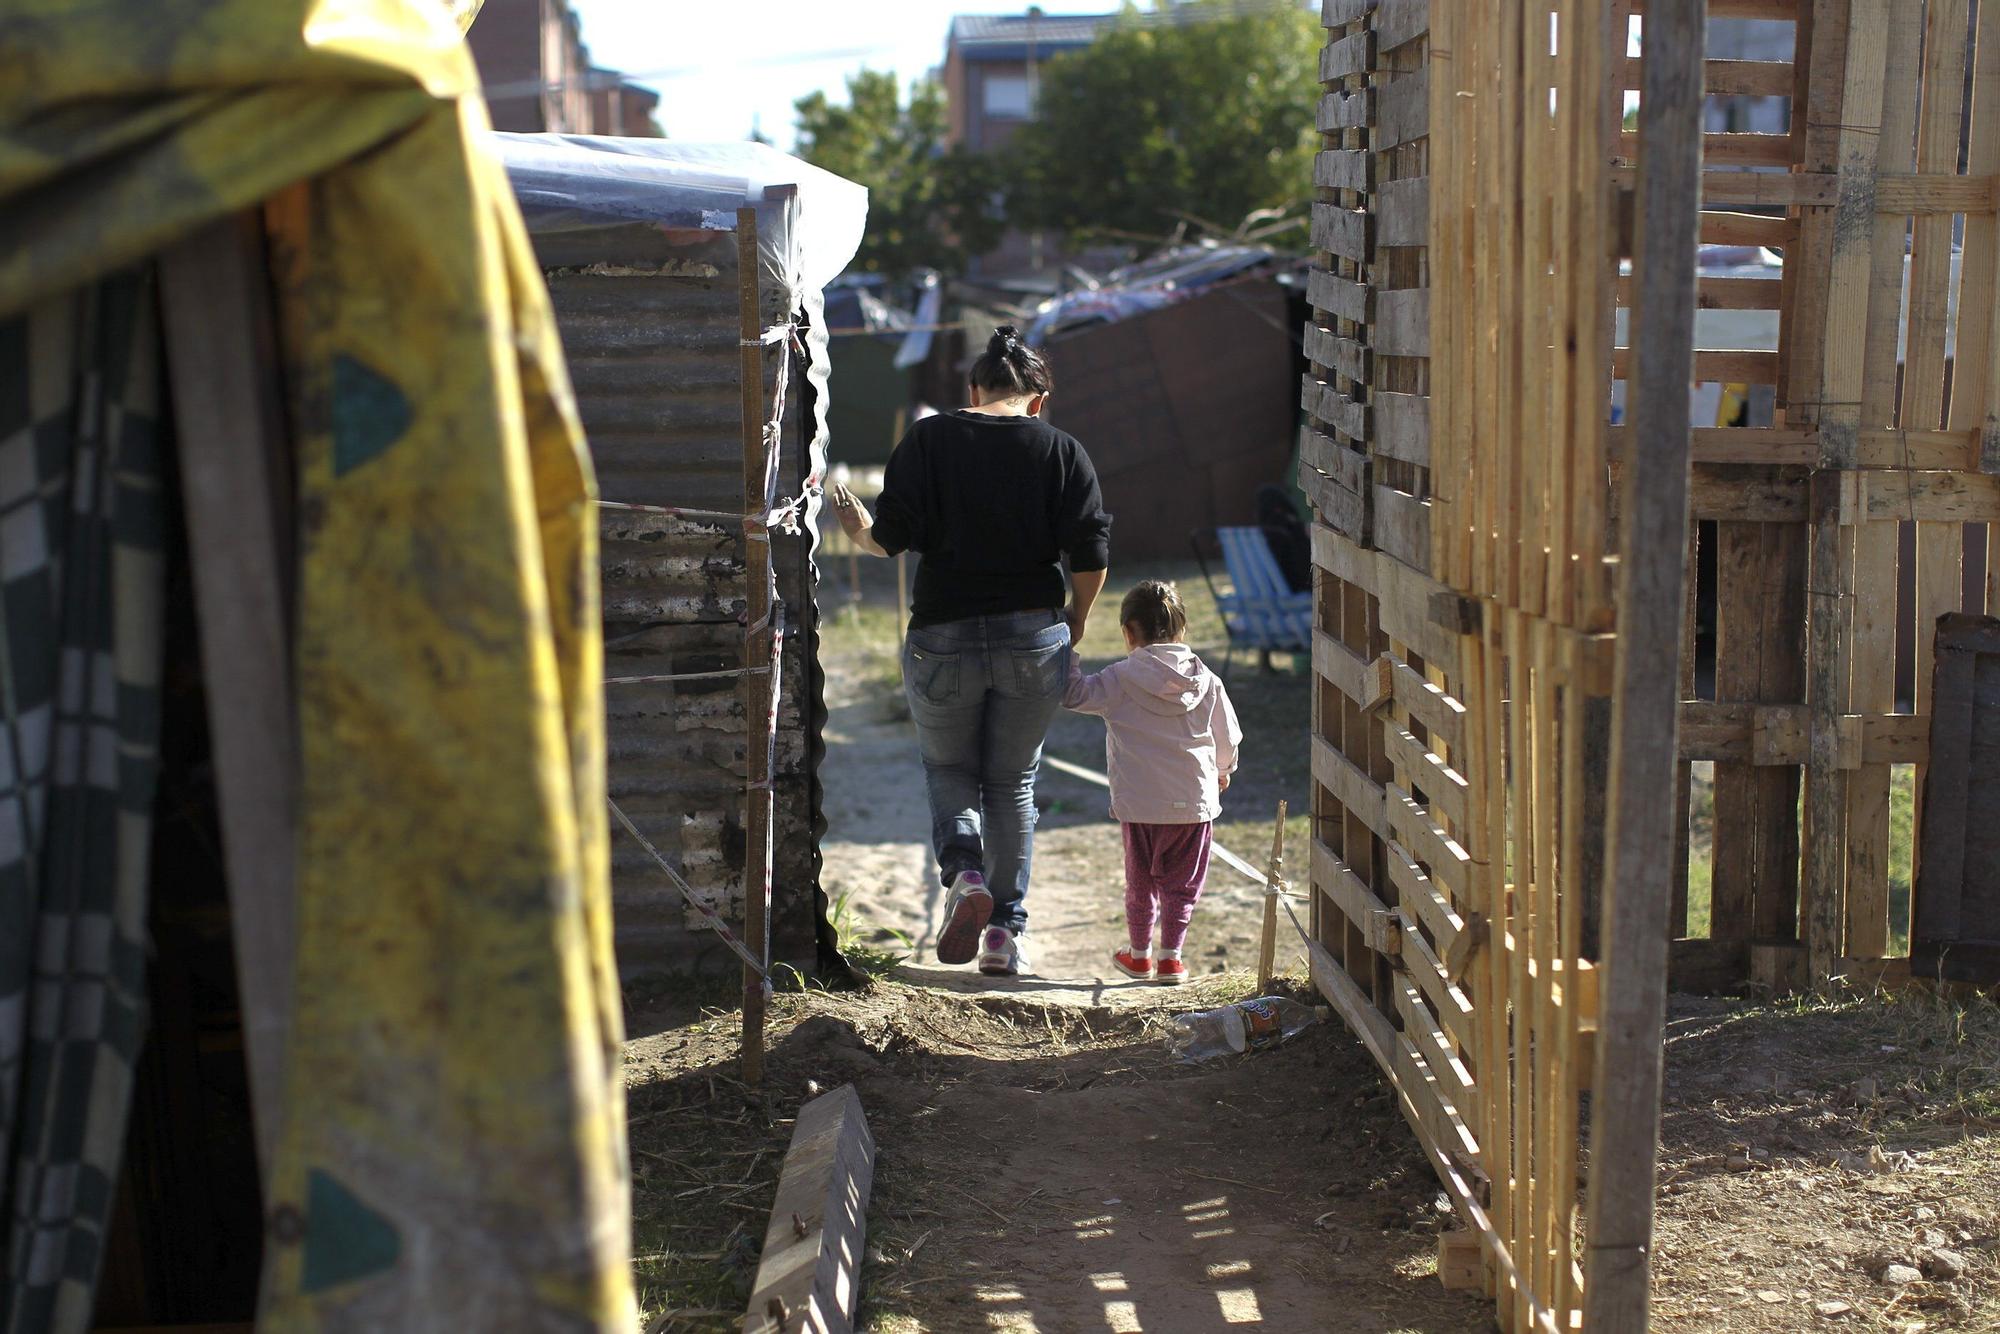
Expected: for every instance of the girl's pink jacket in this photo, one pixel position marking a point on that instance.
(1169, 733)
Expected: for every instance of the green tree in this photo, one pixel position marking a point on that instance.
(929, 206)
(1203, 109)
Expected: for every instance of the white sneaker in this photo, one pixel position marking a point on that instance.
(965, 914)
(1001, 953)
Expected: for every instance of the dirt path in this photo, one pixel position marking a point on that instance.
(877, 854)
(1047, 1168)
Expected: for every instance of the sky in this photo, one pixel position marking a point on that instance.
(719, 65)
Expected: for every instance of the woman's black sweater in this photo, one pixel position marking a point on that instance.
(992, 504)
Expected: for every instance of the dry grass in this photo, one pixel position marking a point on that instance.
(1807, 1144)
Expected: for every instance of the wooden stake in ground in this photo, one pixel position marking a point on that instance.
(1625, 1115)
(1274, 885)
(809, 1279)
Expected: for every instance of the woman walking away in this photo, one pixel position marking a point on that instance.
(1170, 740)
(994, 499)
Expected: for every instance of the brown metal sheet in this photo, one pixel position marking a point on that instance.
(1185, 411)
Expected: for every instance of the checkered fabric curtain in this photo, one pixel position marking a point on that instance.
(81, 591)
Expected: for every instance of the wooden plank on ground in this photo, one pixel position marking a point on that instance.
(809, 1278)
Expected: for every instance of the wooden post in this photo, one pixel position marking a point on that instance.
(1625, 1114)
(236, 488)
(1274, 885)
(756, 648)
(1832, 524)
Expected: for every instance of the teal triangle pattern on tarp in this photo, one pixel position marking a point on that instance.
(345, 1239)
(370, 413)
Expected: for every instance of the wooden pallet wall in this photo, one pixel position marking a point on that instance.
(1455, 456)
(1475, 224)
(1862, 513)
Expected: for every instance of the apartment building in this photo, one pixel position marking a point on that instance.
(538, 74)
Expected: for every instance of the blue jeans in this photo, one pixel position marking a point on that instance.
(982, 691)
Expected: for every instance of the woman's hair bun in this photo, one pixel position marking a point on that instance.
(1010, 366)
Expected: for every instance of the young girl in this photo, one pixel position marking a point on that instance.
(1170, 742)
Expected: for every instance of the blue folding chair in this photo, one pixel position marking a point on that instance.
(1260, 611)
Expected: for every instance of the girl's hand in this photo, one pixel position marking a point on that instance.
(854, 517)
(1222, 783)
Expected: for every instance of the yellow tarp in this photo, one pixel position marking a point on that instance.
(452, 1155)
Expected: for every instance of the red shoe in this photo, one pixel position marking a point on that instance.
(1170, 972)
(1123, 961)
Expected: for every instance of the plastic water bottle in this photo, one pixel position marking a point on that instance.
(1250, 1025)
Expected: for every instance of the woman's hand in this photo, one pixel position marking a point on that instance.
(1084, 586)
(1222, 783)
(854, 517)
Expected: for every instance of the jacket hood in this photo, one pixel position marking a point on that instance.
(1165, 678)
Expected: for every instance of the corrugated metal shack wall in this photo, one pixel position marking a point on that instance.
(1185, 411)
(649, 323)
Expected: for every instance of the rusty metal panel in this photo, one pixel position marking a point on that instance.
(649, 324)
(1185, 411)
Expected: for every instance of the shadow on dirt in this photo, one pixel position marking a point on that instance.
(1049, 1167)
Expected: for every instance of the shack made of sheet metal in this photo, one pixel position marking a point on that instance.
(637, 239)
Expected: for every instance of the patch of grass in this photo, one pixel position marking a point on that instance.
(865, 633)
(875, 950)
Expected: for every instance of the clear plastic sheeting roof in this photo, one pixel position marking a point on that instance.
(577, 181)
